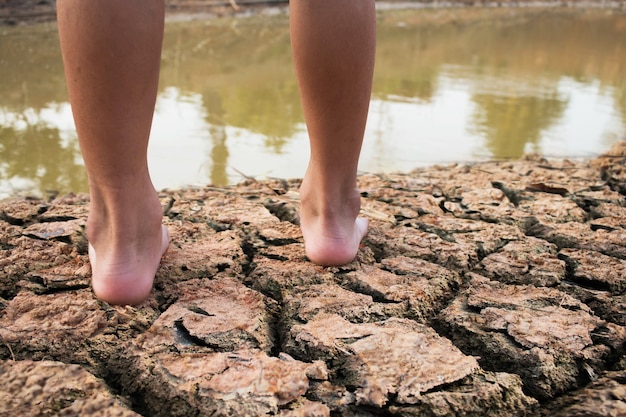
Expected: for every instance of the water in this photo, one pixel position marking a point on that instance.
(450, 85)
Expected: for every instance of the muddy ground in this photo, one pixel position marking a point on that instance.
(484, 289)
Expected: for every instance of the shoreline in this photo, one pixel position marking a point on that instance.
(18, 12)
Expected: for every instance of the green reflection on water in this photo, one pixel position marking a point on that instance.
(510, 124)
(242, 69)
(244, 64)
(530, 51)
(509, 62)
(37, 153)
(32, 88)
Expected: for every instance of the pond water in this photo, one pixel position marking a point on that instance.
(450, 85)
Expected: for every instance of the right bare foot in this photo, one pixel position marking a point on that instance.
(331, 229)
(125, 256)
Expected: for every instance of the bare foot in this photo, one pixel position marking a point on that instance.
(331, 229)
(126, 280)
(125, 253)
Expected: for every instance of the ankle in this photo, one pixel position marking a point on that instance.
(329, 210)
(326, 196)
(123, 216)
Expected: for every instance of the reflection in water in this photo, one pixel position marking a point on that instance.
(510, 67)
(620, 101)
(38, 146)
(511, 123)
(217, 133)
(38, 154)
(450, 85)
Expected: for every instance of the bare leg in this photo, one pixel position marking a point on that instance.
(333, 44)
(111, 50)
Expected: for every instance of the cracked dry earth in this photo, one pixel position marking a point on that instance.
(490, 289)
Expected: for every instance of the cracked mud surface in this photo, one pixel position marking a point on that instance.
(490, 289)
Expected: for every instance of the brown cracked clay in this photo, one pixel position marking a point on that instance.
(482, 289)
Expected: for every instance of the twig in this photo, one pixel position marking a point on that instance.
(9, 347)
(244, 175)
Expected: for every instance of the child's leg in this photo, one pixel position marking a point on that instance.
(333, 44)
(111, 51)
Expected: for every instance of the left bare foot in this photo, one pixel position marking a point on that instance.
(332, 230)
